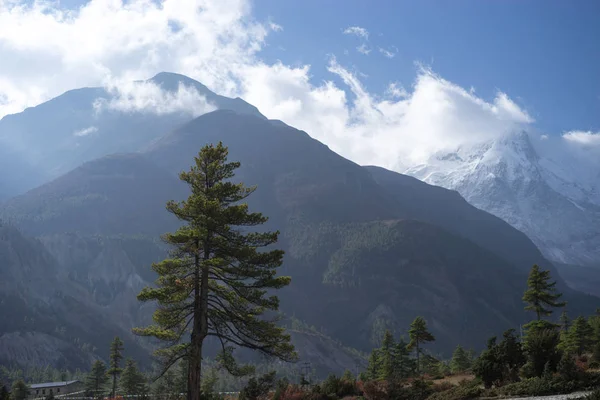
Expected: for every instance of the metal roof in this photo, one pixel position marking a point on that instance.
(51, 384)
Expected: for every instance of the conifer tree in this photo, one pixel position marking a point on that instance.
(387, 357)
(4, 395)
(460, 360)
(541, 294)
(404, 364)
(96, 379)
(564, 321)
(374, 365)
(116, 355)
(216, 281)
(579, 337)
(419, 335)
(133, 381)
(19, 390)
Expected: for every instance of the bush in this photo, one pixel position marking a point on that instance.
(258, 388)
(465, 390)
(595, 395)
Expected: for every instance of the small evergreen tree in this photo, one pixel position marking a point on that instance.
(387, 357)
(96, 379)
(4, 395)
(348, 376)
(133, 381)
(460, 361)
(116, 355)
(257, 388)
(209, 384)
(19, 390)
(579, 337)
(374, 365)
(541, 295)
(419, 335)
(404, 363)
(541, 345)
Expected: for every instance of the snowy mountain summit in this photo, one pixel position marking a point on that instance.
(543, 187)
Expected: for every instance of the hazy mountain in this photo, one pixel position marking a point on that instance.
(555, 201)
(366, 247)
(46, 141)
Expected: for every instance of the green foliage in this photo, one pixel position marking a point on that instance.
(567, 367)
(216, 282)
(19, 390)
(133, 382)
(209, 385)
(579, 338)
(419, 335)
(390, 362)
(463, 391)
(541, 295)
(4, 394)
(460, 361)
(500, 362)
(116, 355)
(541, 346)
(96, 379)
(334, 387)
(258, 388)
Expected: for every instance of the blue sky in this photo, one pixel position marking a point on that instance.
(544, 54)
(498, 65)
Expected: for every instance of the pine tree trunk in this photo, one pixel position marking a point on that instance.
(114, 386)
(418, 362)
(193, 389)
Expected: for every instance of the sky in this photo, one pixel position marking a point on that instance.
(381, 82)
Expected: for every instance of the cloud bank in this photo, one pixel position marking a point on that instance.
(148, 97)
(46, 50)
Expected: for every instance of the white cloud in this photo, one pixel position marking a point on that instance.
(363, 49)
(357, 31)
(145, 96)
(583, 138)
(85, 132)
(388, 53)
(46, 50)
(275, 27)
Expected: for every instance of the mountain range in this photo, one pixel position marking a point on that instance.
(367, 249)
(551, 198)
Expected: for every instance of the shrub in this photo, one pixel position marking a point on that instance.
(464, 391)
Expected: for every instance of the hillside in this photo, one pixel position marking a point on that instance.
(368, 248)
(45, 317)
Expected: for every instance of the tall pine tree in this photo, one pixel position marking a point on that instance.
(217, 281)
(116, 355)
(541, 295)
(419, 335)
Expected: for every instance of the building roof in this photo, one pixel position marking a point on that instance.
(51, 384)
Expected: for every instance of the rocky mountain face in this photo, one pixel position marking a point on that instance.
(516, 180)
(47, 318)
(368, 248)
